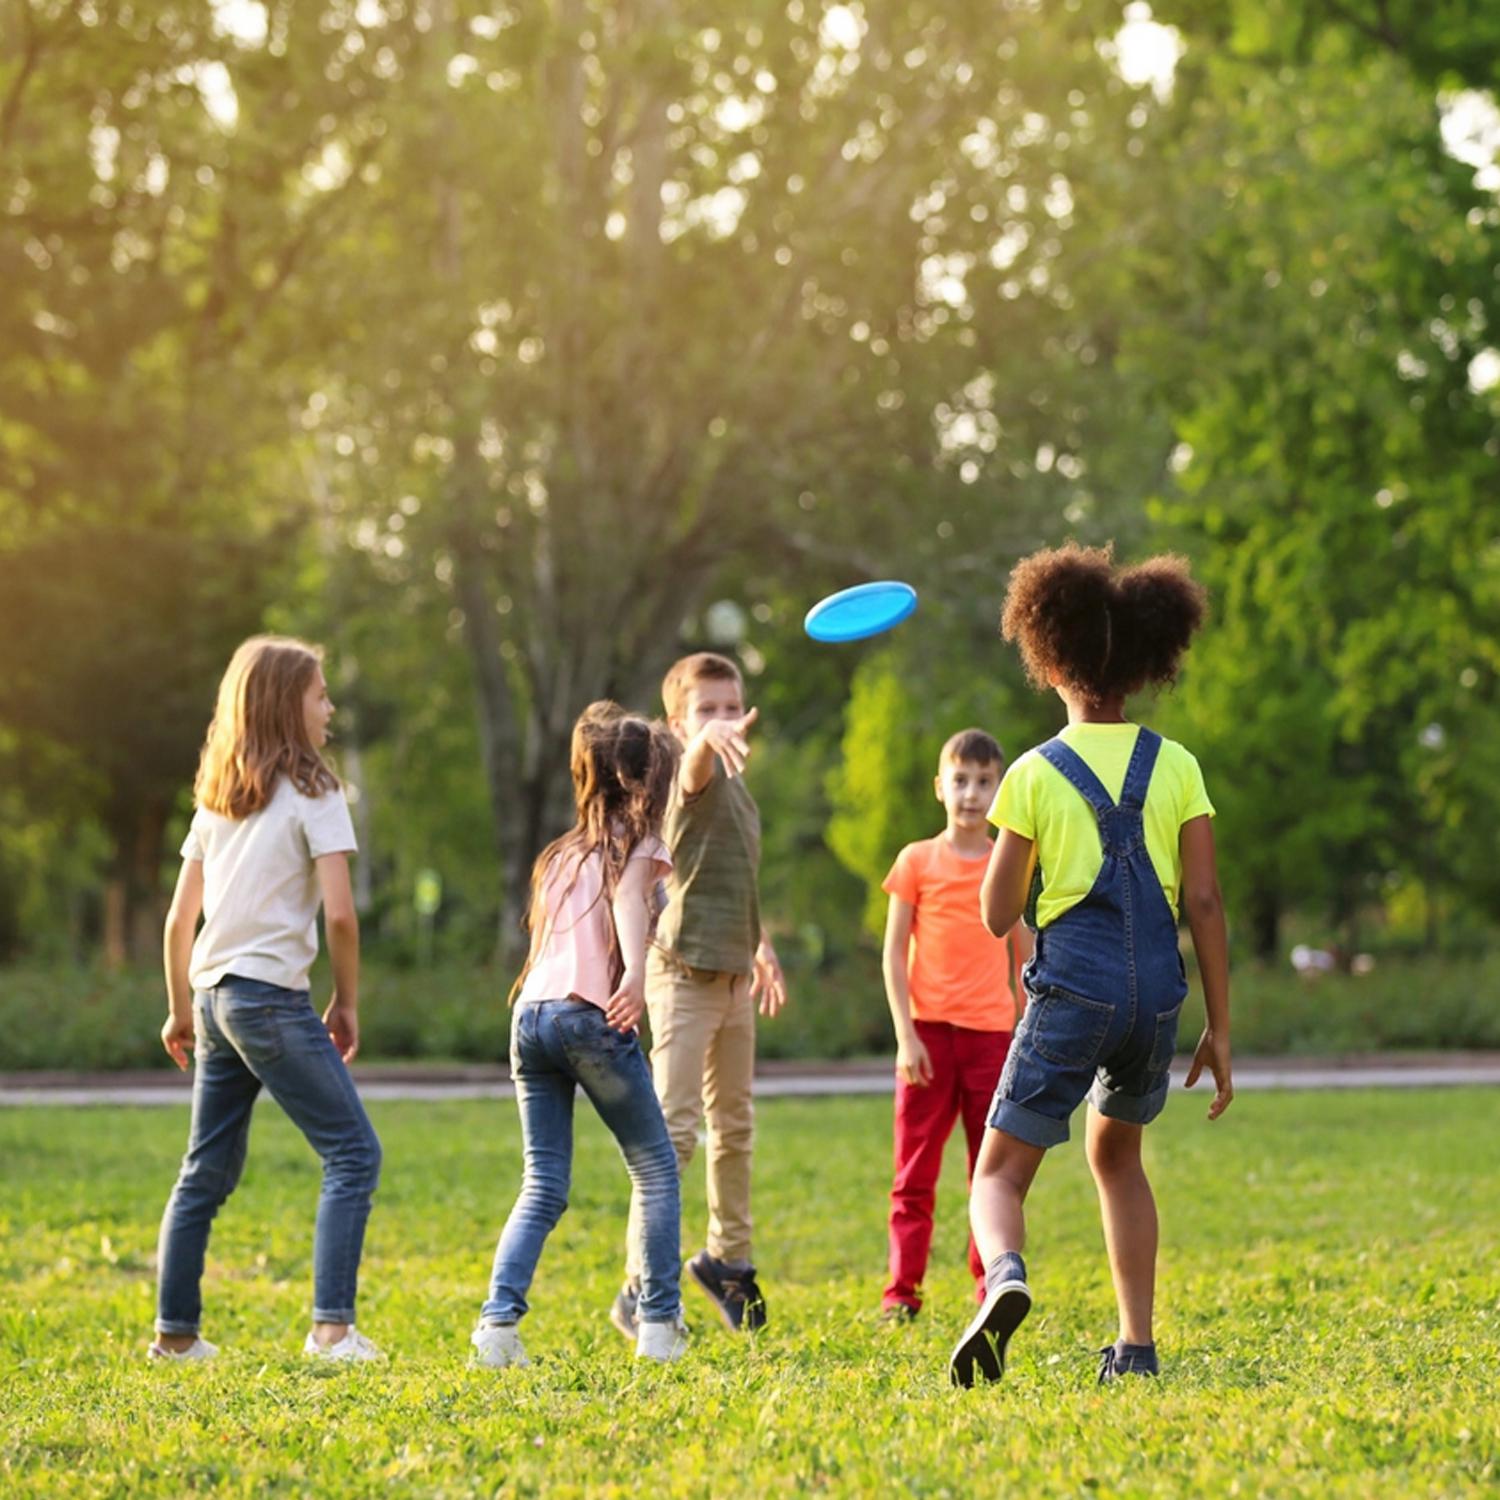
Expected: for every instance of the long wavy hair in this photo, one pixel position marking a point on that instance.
(623, 769)
(259, 730)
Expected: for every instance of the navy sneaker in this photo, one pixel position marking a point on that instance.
(895, 1314)
(623, 1311)
(982, 1348)
(733, 1291)
(1120, 1358)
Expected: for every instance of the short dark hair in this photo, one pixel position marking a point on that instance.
(1103, 631)
(972, 745)
(701, 666)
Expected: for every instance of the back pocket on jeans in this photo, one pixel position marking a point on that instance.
(1066, 1029)
(1164, 1045)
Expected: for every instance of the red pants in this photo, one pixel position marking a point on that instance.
(965, 1070)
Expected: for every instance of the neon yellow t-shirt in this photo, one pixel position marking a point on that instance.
(1038, 802)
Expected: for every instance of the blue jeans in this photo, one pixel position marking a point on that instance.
(556, 1045)
(251, 1034)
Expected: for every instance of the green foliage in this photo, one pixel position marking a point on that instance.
(456, 1011)
(1327, 1319)
(492, 349)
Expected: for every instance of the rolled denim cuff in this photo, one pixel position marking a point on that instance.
(1129, 1109)
(1027, 1125)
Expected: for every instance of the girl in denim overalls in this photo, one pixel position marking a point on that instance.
(1101, 869)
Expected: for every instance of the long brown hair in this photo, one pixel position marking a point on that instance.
(623, 769)
(259, 730)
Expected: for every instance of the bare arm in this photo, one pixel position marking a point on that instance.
(632, 914)
(913, 1063)
(724, 738)
(1007, 879)
(341, 925)
(1205, 914)
(177, 952)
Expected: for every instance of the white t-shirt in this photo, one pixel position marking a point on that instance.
(260, 887)
(574, 956)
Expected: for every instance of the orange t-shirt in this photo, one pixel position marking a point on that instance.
(956, 971)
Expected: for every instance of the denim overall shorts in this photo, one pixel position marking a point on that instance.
(1106, 984)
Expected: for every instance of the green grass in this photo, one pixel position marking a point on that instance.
(1329, 1320)
(458, 1012)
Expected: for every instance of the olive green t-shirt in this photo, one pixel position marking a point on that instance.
(712, 916)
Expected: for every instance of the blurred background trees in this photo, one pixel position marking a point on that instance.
(511, 351)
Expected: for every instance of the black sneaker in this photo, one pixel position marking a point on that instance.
(1120, 1358)
(734, 1292)
(897, 1314)
(982, 1348)
(623, 1311)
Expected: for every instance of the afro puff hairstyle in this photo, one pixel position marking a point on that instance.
(1100, 630)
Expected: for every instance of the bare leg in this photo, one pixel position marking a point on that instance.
(1002, 1178)
(1129, 1213)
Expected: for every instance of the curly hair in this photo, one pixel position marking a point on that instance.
(1100, 630)
(623, 769)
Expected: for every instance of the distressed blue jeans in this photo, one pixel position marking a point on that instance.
(556, 1046)
(250, 1035)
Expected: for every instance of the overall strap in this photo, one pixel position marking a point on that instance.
(1072, 765)
(1138, 772)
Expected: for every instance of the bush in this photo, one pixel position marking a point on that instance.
(85, 1019)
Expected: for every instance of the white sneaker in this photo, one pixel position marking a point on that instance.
(199, 1349)
(497, 1346)
(354, 1348)
(663, 1342)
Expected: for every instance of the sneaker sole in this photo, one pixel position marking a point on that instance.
(751, 1323)
(620, 1324)
(984, 1342)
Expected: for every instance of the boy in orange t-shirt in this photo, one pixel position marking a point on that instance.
(952, 990)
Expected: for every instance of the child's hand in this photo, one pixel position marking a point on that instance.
(726, 738)
(342, 1022)
(913, 1061)
(1213, 1054)
(177, 1036)
(627, 1003)
(767, 982)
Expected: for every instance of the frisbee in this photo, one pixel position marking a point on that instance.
(864, 610)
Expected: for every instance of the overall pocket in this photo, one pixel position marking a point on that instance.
(1066, 1029)
(1164, 1044)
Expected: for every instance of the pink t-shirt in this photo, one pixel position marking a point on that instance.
(574, 956)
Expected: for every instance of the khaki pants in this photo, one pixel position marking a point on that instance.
(703, 1062)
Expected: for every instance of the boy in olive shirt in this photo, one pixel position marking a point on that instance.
(711, 962)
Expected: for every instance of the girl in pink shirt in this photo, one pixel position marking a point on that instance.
(579, 1001)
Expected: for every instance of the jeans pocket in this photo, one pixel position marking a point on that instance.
(1066, 1029)
(255, 1029)
(1164, 1044)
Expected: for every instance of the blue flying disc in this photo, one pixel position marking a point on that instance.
(864, 610)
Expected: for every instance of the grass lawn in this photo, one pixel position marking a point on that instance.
(1329, 1320)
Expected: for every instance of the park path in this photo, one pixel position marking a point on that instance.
(1389, 1070)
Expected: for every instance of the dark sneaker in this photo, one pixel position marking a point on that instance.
(623, 1311)
(897, 1314)
(1120, 1358)
(982, 1348)
(732, 1291)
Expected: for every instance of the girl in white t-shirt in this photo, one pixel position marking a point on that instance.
(580, 1000)
(270, 841)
